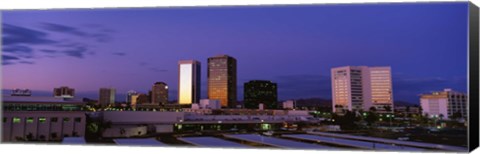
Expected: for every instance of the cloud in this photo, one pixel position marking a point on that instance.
(77, 52)
(103, 38)
(48, 51)
(303, 86)
(143, 63)
(404, 88)
(24, 43)
(63, 29)
(26, 62)
(7, 63)
(9, 60)
(158, 70)
(17, 49)
(13, 35)
(100, 36)
(409, 89)
(119, 53)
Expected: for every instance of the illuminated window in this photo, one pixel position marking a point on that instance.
(30, 120)
(16, 120)
(42, 119)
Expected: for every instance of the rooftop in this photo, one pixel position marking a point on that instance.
(39, 99)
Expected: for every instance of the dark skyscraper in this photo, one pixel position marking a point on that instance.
(222, 80)
(260, 91)
(159, 93)
(107, 97)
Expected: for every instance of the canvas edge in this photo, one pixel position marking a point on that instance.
(473, 81)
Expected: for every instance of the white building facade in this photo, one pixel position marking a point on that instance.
(357, 88)
(289, 104)
(444, 104)
(210, 104)
(189, 81)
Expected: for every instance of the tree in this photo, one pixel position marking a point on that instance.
(347, 121)
(457, 115)
(29, 137)
(387, 108)
(371, 118)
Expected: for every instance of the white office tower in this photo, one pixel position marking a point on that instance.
(358, 88)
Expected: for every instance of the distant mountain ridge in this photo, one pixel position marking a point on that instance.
(312, 102)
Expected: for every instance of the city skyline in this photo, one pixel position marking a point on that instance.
(107, 55)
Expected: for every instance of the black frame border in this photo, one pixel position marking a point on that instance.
(473, 38)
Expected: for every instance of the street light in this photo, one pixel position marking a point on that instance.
(390, 118)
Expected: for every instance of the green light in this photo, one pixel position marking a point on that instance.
(42, 119)
(16, 120)
(29, 120)
(266, 126)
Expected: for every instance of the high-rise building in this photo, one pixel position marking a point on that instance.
(380, 89)
(130, 93)
(358, 88)
(188, 82)
(107, 97)
(444, 104)
(159, 93)
(64, 92)
(260, 92)
(134, 100)
(142, 99)
(222, 80)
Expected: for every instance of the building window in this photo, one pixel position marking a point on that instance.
(16, 120)
(66, 119)
(78, 119)
(30, 120)
(42, 119)
(4, 120)
(55, 119)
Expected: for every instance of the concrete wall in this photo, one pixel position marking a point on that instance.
(142, 117)
(125, 131)
(11, 131)
(163, 128)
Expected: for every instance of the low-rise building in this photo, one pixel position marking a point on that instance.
(42, 118)
(210, 104)
(290, 104)
(444, 104)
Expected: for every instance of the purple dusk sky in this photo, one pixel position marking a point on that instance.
(294, 46)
